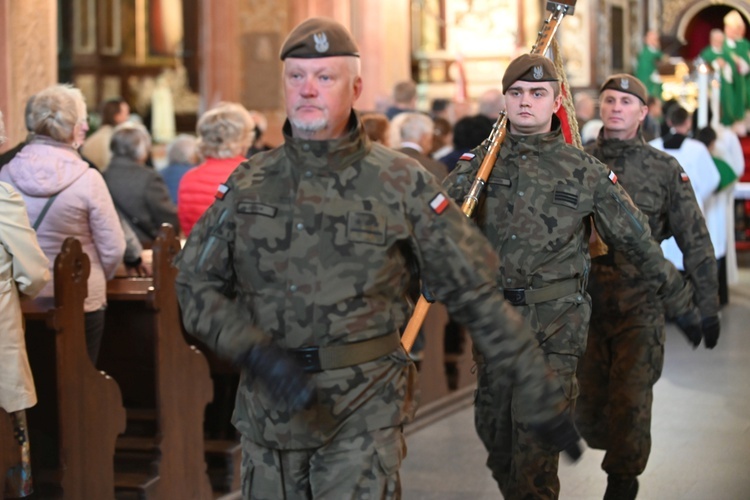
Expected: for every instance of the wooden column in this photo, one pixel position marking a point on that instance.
(382, 30)
(220, 53)
(28, 58)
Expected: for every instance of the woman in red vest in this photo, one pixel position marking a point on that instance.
(224, 134)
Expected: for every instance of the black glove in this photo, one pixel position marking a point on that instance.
(691, 327)
(561, 433)
(711, 331)
(427, 294)
(281, 375)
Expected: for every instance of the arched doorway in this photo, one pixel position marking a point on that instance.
(696, 25)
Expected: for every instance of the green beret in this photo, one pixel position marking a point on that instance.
(529, 68)
(628, 84)
(319, 37)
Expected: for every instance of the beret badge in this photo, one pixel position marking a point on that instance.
(321, 42)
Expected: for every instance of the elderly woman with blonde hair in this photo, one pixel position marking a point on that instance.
(64, 197)
(224, 135)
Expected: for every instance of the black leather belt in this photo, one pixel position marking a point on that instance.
(316, 358)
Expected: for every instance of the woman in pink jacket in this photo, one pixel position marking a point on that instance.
(224, 134)
(64, 197)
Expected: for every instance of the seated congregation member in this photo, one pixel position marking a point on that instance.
(376, 127)
(261, 125)
(224, 134)
(64, 197)
(415, 131)
(24, 270)
(139, 192)
(182, 155)
(468, 133)
(96, 147)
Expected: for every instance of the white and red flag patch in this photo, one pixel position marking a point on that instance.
(439, 203)
(221, 191)
(467, 157)
(684, 177)
(612, 177)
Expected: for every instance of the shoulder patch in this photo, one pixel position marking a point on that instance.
(467, 157)
(684, 177)
(612, 177)
(222, 191)
(439, 203)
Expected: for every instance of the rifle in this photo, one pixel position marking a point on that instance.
(558, 9)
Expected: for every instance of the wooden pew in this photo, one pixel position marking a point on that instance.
(161, 374)
(74, 425)
(432, 377)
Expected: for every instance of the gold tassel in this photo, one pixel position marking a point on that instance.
(597, 246)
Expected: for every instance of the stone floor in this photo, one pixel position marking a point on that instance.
(701, 430)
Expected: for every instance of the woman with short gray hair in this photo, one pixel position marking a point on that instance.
(224, 135)
(139, 192)
(131, 140)
(64, 197)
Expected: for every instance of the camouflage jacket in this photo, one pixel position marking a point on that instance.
(307, 247)
(538, 200)
(658, 186)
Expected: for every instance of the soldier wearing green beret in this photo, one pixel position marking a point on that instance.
(625, 352)
(297, 273)
(540, 197)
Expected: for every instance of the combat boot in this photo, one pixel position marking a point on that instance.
(621, 488)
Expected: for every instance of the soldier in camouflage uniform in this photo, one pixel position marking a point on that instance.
(297, 273)
(625, 351)
(539, 199)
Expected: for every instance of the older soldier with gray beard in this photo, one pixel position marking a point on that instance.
(297, 272)
(540, 197)
(625, 352)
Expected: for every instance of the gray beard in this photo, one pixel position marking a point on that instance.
(313, 126)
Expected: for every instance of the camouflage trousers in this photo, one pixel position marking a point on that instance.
(522, 466)
(624, 359)
(365, 467)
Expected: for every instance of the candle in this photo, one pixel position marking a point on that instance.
(702, 96)
(715, 102)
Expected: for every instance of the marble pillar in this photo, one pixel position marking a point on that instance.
(28, 58)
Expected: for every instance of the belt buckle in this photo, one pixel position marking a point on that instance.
(308, 357)
(516, 296)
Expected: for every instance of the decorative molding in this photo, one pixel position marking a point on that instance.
(84, 26)
(115, 49)
(671, 10)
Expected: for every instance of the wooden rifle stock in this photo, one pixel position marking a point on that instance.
(558, 10)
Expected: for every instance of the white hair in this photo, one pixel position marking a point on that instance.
(414, 126)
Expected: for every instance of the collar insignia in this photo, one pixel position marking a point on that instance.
(321, 42)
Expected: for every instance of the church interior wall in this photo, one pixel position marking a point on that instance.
(230, 49)
(28, 58)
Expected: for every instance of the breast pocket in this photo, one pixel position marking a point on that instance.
(648, 203)
(366, 227)
(357, 232)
